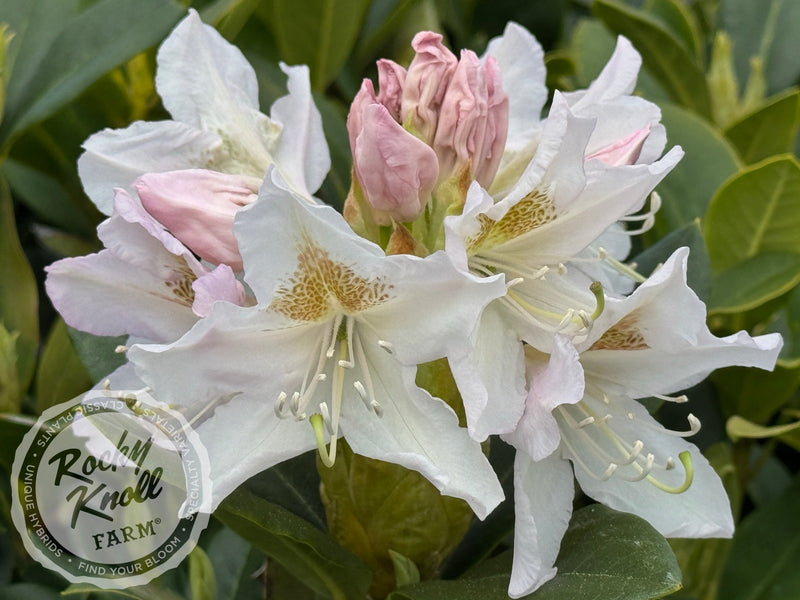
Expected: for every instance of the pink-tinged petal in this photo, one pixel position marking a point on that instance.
(624, 151)
(397, 171)
(198, 208)
(552, 382)
(497, 120)
(520, 59)
(426, 83)
(391, 79)
(543, 493)
(218, 285)
(618, 78)
(462, 117)
(365, 97)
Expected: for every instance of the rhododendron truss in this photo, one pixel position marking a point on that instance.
(478, 256)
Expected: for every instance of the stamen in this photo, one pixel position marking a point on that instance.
(609, 472)
(377, 408)
(597, 289)
(386, 346)
(678, 399)
(585, 422)
(350, 362)
(326, 416)
(328, 456)
(362, 393)
(337, 323)
(513, 282)
(686, 460)
(106, 384)
(121, 349)
(562, 269)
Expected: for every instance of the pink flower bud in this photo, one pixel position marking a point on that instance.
(365, 97)
(391, 79)
(473, 121)
(624, 151)
(198, 207)
(426, 82)
(396, 170)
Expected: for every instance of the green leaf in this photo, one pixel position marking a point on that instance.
(766, 29)
(699, 269)
(770, 129)
(97, 353)
(709, 161)
(10, 395)
(337, 183)
(678, 18)
(766, 551)
(201, 575)
(61, 375)
(756, 211)
(787, 322)
(319, 34)
(309, 554)
(28, 591)
(12, 429)
(228, 16)
(753, 282)
(405, 571)
(235, 563)
(149, 591)
(754, 394)
(662, 54)
(45, 196)
(19, 299)
(737, 428)
(61, 50)
(604, 554)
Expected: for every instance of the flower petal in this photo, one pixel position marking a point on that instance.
(420, 433)
(493, 404)
(301, 152)
(703, 510)
(543, 494)
(675, 348)
(552, 382)
(520, 59)
(115, 158)
(218, 285)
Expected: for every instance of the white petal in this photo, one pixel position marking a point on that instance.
(302, 151)
(552, 382)
(206, 82)
(681, 351)
(202, 76)
(420, 433)
(543, 494)
(232, 366)
(493, 404)
(117, 157)
(701, 511)
(618, 78)
(521, 62)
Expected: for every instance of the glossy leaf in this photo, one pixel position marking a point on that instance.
(604, 554)
(678, 18)
(709, 161)
(235, 564)
(755, 212)
(61, 50)
(770, 129)
(12, 429)
(18, 294)
(738, 428)
(662, 54)
(61, 375)
(97, 353)
(308, 553)
(753, 282)
(766, 29)
(201, 576)
(766, 571)
(755, 394)
(318, 34)
(787, 322)
(10, 394)
(149, 591)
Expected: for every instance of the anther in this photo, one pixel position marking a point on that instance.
(362, 392)
(677, 399)
(562, 269)
(280, 404)
(376, 408)
(107, 384)
(670, 464)
(566, 319)
(612, 467)
(513, 282)
(388, 346)
(121, 349)
(602, 253)
(294, 403)
(585, 422)
(326, 416)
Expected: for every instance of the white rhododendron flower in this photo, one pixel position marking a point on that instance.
(582, 407)
(330, 349)
(211, 92)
